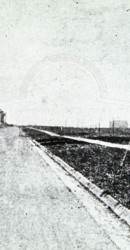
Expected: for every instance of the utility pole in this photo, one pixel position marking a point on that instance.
(113, 127)
(77, 126)
(99, 129)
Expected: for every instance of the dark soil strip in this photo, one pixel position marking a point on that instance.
(101, 165)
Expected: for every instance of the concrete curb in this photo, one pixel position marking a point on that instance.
(121, 211)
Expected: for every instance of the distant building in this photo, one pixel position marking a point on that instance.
(119, 124)
(2, 117)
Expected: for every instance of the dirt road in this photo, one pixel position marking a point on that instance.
(37, 210)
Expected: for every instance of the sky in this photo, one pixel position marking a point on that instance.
(65, 62)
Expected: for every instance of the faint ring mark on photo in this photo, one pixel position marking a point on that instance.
(86, 66)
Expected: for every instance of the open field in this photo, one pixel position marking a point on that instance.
(100, 164)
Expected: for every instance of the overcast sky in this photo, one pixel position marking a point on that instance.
(65, 62)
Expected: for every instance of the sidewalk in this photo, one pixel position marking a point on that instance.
(40, 211)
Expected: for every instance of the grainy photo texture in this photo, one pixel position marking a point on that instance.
(64, 125)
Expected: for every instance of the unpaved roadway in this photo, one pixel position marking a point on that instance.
(37, 209)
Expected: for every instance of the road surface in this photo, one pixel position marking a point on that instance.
(43, 209)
